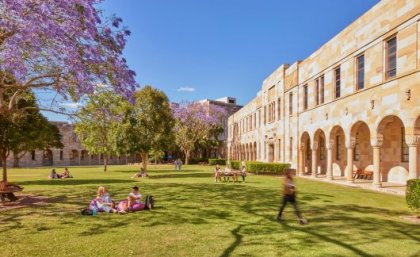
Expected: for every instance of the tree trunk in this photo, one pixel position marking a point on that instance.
(4, 164)
(145, 160)
(16, 160)
(105, 162)
(187, 157)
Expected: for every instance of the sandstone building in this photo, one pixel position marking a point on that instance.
(71, 154)
(352, 105)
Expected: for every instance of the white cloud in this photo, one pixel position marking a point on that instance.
(71, 105)
(186, 89)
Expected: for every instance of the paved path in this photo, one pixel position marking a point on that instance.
(389, 188)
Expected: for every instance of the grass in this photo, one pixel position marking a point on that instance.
(196, 217)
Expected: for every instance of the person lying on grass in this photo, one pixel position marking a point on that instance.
(103, 202)
(140, 174)
(133, 202)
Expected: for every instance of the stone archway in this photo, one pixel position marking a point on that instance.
(359, 150)
(338, 152)
(305, 154)
(394, 151)
(47, 158)
(319, 153)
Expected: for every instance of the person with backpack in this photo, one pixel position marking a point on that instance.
(133, 202)
(289, 196)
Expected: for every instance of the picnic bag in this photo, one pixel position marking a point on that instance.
(87, 212)
(149, 202)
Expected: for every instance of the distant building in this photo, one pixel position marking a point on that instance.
(230, 106)
(71, 154)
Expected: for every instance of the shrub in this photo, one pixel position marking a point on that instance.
(413, 194)
(217, 161)
(235, 165)
(267, 168)
(197, 160)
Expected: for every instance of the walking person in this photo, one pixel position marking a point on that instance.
(289, 196)
(217, 173)
(179, 164)
(176, 164)
(243, 172)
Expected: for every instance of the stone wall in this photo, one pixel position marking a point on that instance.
(387, 106)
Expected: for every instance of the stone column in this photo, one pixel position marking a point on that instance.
(329, 160)
(376, 144)
(350, 144)
(349, 170)
(301, 167)
(412, 142)
(314, 158)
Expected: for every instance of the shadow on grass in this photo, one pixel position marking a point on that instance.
(74, 182)
(244, 210)
(181, 175)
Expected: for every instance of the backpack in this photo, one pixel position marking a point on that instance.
(149, 202)
(87, 212)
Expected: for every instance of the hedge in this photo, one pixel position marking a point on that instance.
(266, 168)
(261, 167)
(197, 160)
(217, 161)
(413, 194)
(235, 165)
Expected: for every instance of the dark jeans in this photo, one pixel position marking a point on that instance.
(289, 199)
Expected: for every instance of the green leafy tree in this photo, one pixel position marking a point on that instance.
(25, 128)
(100, 124)
(156, 155)
(35, 134)
(151, 123)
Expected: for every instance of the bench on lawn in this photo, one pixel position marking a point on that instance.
(233, 174)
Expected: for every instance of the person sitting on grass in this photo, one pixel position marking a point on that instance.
(140, 174)
(53, 175)
(217, 173)
(66, 173)
(133, 202)
(103, 202)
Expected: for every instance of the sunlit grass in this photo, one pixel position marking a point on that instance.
(196, 217)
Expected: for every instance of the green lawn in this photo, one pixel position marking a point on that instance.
(196, 217)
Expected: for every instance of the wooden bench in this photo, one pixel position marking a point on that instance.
(363, 174)
(233, 174)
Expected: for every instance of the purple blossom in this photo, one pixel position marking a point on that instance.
(65, 42)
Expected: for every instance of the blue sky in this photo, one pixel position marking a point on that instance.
(196, 49)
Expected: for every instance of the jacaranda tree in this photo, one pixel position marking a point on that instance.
(65, 46)
(194, 122)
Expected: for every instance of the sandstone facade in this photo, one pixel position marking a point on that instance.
(354, 104)
(71, 154)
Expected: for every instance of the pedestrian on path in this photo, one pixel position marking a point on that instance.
(289, 196)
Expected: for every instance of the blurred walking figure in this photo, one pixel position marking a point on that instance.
(178, 164)
(243, 171)
(289, 196)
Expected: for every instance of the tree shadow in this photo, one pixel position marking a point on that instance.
(74, 182)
